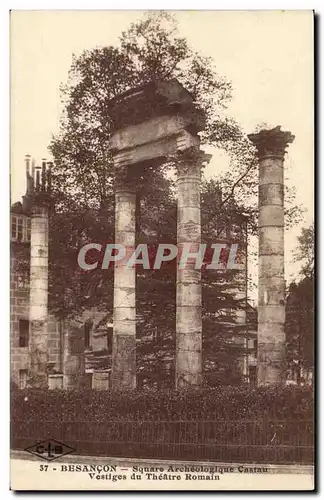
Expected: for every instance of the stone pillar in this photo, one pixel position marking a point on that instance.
(271, 145)
(70, 362)
(188, 298)
(124, 324)
(39, 199)
(38, 311)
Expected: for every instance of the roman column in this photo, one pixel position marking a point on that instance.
(271, 146)
(150, 124)
(124, 324)
(38, 309)
(188, 295)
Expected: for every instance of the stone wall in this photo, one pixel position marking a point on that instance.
(19, 297)
(19, 310)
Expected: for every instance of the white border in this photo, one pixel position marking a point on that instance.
(5, 6)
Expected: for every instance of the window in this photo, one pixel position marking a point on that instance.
(27, 228)
(20, 228)
(87, 333)
(23, 332)
(13, 227)
(22, 379)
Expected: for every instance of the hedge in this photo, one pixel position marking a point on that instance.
(269, 424)
(229, 403)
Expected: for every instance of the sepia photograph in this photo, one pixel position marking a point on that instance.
(162, 280)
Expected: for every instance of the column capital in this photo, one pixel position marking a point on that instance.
(271, 143)
(190, 159)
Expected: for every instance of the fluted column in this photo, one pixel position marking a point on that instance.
(271, 145)
(124, 327)
(188, 297)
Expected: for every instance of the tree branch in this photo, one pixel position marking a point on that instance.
(238, 181)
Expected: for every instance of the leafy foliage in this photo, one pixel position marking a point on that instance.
(228, 403)
(300, 325)
(275, 425)
(300, 306)
(305, 251)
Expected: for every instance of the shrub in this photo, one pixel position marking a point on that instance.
(225, 403)
(265, 424)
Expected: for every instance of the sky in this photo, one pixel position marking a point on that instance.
(267, 55)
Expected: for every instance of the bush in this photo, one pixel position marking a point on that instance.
(265, 424)
(225, 403)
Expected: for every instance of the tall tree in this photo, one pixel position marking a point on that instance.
(299, 324)
(299, 328)
(305, 252)
(83, 176)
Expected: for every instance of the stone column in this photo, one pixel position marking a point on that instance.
(38, 294)
(124, 327)
(188, 298)
(70, 368)
(271, 145)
